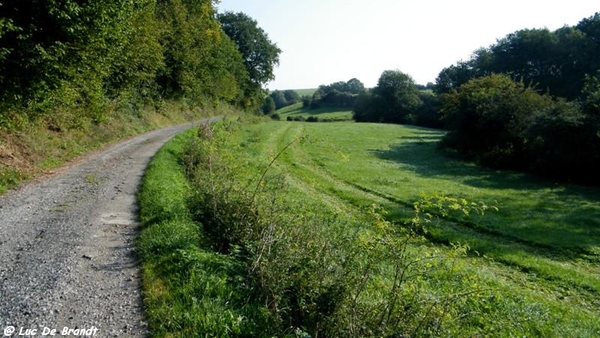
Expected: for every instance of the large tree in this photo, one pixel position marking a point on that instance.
(259, 53)
(399, 92)
(394, 100)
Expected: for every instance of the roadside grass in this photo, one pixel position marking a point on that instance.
(189, 290)
(528, 269)
(33, 148)
(323, 113)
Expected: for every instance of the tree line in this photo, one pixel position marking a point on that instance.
(79, 56)
(529, 102)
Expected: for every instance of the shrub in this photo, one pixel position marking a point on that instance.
(563, 143)
(306, 101)
(488, 117)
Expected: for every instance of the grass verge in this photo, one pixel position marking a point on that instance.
(189, 290)
(32, 148)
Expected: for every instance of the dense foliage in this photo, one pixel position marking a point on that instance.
(78, 57)
(281, 99)
(395, 99)
(504, 124)
(554, 62)
(338, 94)
(503, 120)
(260, 55)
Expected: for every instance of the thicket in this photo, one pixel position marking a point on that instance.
(338, 94)
(318, 272)
(397, 99)
(506, 124)
(73, 61)
(279, 99)
(529, 102)
(554, 62)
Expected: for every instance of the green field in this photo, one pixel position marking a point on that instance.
(306, 92)
(530, 269)
(542, 247)
(324, 113)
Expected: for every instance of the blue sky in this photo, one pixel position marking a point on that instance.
(335, 40)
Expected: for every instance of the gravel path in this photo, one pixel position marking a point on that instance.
(67, 246)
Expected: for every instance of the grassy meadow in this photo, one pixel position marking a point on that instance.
(306, 91)
(527, 262)
(323, 113)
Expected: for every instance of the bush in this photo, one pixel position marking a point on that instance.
(488, 117)
(269, 106)
(563, 143)
(306, 101)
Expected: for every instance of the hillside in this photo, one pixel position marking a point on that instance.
(497, 253)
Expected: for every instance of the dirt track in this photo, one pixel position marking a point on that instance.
(67, 245)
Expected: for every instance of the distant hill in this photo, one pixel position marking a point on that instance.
(308, 92)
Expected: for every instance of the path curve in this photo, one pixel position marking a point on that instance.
(67, 245)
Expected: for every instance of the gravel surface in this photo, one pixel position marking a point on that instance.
(67, 246)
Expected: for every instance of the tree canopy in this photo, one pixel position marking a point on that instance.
(260, 55)
(80, 55)
(552, 61)
(338, 94)
(395, 99)
(495, 111)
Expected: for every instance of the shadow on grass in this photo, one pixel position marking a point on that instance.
(534, 211)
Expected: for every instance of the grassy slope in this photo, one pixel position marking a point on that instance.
(322, 113)
(41, 146)
(536, 259)
(541, 250)
(307, 91)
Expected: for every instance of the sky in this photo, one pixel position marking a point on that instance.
(325, 41)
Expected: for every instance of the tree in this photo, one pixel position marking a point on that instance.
(552, 61)
(306, 101)
(269, 106)
(61, 53)
(291, 96)
(279, 99)
(338, 94)
(488, 117)
(354, 86)
(399, 92)
(260, 55)
(201, 62)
